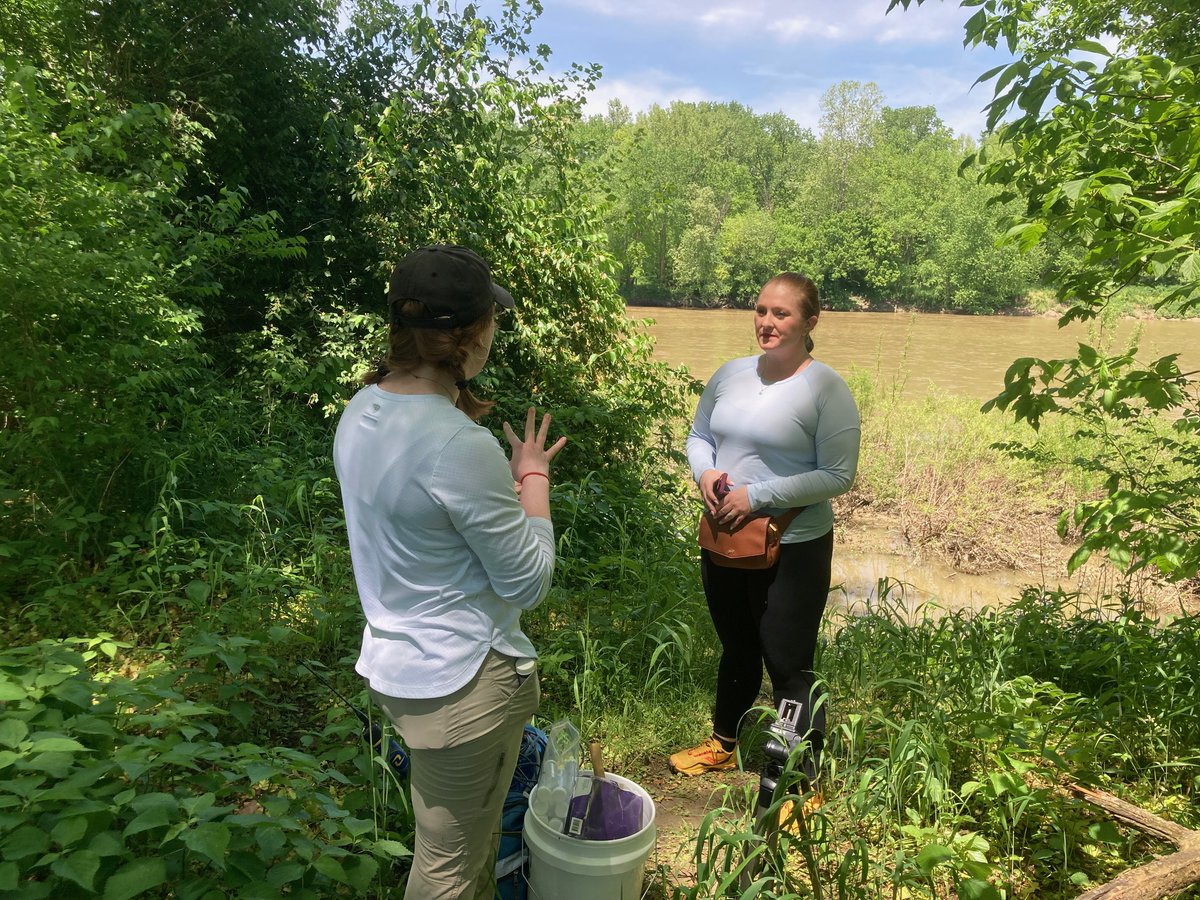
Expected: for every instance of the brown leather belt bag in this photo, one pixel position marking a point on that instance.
(752, 545)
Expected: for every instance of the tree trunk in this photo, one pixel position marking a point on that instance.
(1164, 876)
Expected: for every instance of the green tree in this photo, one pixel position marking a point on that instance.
(147, 413)
(102, 268)
(942, 229)
(696, 258)
(257, 76)
(755, 246)
(850, 117)
(1102, 149)
(658, 163)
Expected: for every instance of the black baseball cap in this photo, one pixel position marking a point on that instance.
(454, 283)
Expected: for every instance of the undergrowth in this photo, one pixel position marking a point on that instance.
(169, 727)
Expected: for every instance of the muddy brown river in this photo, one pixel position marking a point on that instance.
(916, 354)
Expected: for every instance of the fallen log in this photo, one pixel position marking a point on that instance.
(1160, 878)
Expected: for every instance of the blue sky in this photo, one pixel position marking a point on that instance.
(771, 55)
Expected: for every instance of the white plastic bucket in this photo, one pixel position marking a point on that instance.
(562, 867)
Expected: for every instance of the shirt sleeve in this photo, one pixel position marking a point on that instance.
(837, 446)
(473, 483)
(701, 446)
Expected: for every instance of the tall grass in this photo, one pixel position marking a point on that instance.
(932, 466)
(950, 740)
(948, 735)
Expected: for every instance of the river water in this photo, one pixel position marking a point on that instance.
(917, 354)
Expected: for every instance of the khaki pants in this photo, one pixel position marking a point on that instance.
(464, 749)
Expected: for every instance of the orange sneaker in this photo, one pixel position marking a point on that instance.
(789, 821)
(707, 756)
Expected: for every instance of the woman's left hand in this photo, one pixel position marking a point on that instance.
(735, 508)
(531, 455)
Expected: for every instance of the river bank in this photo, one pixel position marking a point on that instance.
(876, 563)
(1133, 303)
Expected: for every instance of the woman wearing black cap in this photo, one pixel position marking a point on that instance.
(446, 555)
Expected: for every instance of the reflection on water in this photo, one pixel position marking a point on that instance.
(864, 581)
(914, 352)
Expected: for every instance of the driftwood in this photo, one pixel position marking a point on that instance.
(1164, 876)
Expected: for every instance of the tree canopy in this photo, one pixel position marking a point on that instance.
(196, 228)
(1099, 145)
(709, 200)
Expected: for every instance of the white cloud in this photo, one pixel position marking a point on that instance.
(641, 90)
(849, 21)
(801, 105)
(958, 104)
(772, 55)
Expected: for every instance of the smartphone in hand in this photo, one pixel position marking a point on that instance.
(721, 486)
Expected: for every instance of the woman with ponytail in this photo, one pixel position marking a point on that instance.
(773, 432)
(450, 541)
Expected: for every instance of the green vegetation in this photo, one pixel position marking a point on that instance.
(951, 739)
(709, 200)
(194, 228)
(1111, 167)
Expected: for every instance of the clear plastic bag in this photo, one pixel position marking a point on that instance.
(556, 783)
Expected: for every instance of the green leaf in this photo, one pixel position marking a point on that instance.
(25, 841)
(1189, 269)
(67, 832)
(270, 838)
(12, 732)
(135, 878)
(1089, 46)
(154, 817)
(330, 868)
(358, 827)
(1073, 188)
(260, 771)
(1105, 833)
(392, 848)
(10, 692)
(154, 800)
(977, 889)
(56, 745)
(10, 874)
(1078, 558)
(932, 856)
(1115, 192)
(989, 75)
(198, 591)
(284, 873)
(361, 871)
(107, 843)
(80, 867)
(210, 839)
(58, 765)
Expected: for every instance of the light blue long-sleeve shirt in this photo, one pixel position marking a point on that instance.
(791, 443)
(444, 556)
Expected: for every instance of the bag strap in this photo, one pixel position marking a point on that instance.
(785, 520)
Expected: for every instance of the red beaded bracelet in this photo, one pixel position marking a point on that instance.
(521, 480)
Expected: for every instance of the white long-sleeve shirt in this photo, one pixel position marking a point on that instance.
(444, 556)
(792, 442)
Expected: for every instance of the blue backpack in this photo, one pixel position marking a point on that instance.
(511, 857)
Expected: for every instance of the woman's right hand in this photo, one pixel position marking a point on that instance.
(708, 492)
(532, 454)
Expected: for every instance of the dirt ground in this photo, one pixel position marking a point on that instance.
(681, 803)
(1038, 558)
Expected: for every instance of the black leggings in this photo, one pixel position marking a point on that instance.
(769, 616)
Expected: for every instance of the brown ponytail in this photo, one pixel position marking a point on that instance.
(447, 350)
